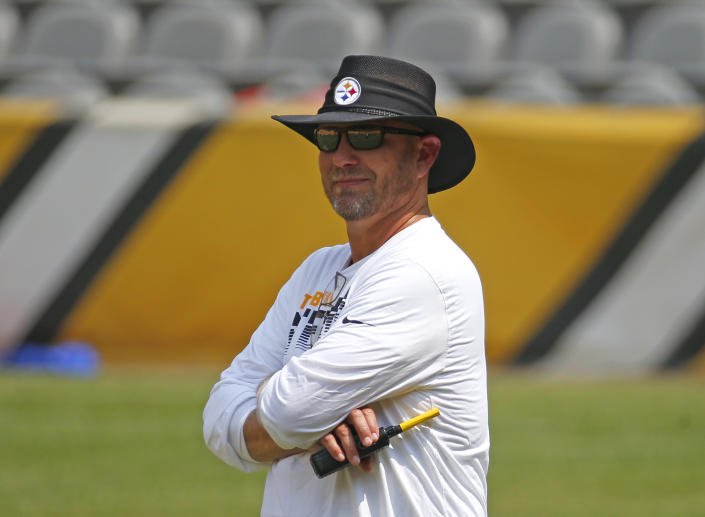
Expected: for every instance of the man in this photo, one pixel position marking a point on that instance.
(373, 332)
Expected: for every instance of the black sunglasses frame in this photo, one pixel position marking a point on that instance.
(381, 129)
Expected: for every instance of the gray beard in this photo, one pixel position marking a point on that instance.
(355, 208)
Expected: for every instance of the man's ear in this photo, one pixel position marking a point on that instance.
(429, 147)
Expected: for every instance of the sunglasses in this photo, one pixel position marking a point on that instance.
(327, 139)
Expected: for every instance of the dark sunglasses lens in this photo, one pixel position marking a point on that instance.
(365, 139)
(327, 139)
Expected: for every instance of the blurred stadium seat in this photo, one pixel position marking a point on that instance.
(74, 91)
(9, 27)
(673, 35)
(305, 41)
(650, 85)
(291, 84)
(324, 32)
(211, 95)
(579, 38)
(389, 8)
(464, 40)
(536, 85)
(214, 34)
(90, 34)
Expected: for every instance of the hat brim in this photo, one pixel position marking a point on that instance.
(455, 159)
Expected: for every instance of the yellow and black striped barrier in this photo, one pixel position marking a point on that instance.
(166, 238)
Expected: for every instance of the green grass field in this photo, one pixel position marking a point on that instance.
(129, 443)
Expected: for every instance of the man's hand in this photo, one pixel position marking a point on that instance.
(364, 421)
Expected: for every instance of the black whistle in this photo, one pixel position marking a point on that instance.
(324, 464)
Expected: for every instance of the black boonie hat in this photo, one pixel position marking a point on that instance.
(375, 89)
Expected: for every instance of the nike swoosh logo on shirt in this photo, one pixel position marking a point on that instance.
(348, 320)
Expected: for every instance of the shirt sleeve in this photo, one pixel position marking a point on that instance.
(234, 397)
(391, 338)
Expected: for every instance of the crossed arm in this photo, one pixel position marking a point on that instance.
(262, 448)
(327, 389)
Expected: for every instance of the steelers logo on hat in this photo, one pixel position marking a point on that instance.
(347, 91)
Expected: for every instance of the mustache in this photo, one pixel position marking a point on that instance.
(337, 174)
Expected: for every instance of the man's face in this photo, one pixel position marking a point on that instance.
(360, 184)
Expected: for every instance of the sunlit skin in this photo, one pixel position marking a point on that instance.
(395, 175)
(379, 193)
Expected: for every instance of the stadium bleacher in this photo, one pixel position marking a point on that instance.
(538, 51)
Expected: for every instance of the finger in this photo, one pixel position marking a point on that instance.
(330, 444)
(347, 442)
(358, 420)
(371, 422)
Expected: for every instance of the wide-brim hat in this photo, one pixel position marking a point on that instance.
(376, 89)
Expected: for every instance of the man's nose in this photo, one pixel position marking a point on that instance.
(345, 155)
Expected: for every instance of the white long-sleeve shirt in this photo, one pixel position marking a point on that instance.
(400, 331)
